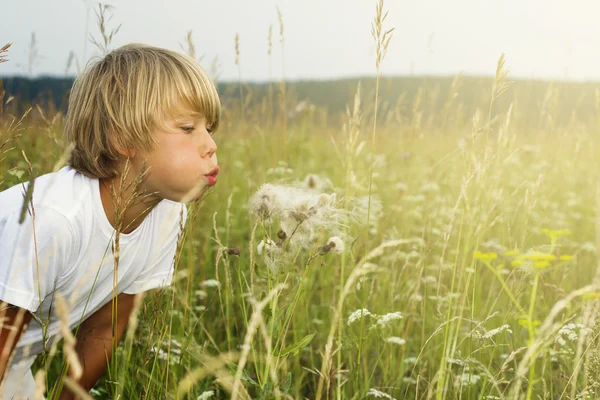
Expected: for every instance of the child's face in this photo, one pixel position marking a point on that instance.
(183, 156)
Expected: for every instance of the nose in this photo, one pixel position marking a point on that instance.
(209, 148)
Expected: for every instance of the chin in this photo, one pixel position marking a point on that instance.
(190, 196)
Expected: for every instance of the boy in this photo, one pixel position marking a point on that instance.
(140, 125)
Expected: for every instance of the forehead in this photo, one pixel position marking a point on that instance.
(187, 115)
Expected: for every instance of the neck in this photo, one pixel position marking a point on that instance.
(124, 208)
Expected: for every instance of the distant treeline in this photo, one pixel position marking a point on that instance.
(403, 95)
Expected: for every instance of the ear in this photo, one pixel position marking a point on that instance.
(122, 149)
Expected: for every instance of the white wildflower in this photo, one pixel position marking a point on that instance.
(410, 360)
(378, 394)
(162, 355)
(416, 297)
(201, 294)
(570, 333)
(466, 379)
(589, 247)
(358, 314)
(455, 361)
(408, 380)
(384, 320)
(396, 340)
(279, 171)
(211, 283)
(494, 332)
(206, 395)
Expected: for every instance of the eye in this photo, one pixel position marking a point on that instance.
(209, 130)
(188, 129)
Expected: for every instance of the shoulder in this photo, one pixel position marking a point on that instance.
(63, 191)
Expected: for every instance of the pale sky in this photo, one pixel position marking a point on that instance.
(324, 38)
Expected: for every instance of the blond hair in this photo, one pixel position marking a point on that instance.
(118, 100)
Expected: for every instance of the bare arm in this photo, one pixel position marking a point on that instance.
(13, 322)
(94, 341)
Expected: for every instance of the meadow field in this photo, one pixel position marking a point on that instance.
(413, 249)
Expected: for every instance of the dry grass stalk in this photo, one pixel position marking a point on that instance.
(211, 366)
(62, 310)
(40, 384)
(544, 333)
(382, 38)
(103, 16)
(364, 267)
(255, 320)
(3, 50)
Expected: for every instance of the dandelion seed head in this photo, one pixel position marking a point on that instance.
(312, 181)
(336, 244)
(264, 246)
(265, 202)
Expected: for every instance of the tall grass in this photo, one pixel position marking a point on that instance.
(478, 279)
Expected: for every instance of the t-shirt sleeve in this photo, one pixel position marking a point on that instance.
(159, 271)
(32, 255)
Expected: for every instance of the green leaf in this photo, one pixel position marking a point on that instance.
(288, 383)
(295, 348)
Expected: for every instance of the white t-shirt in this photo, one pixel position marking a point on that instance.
(74, 239)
